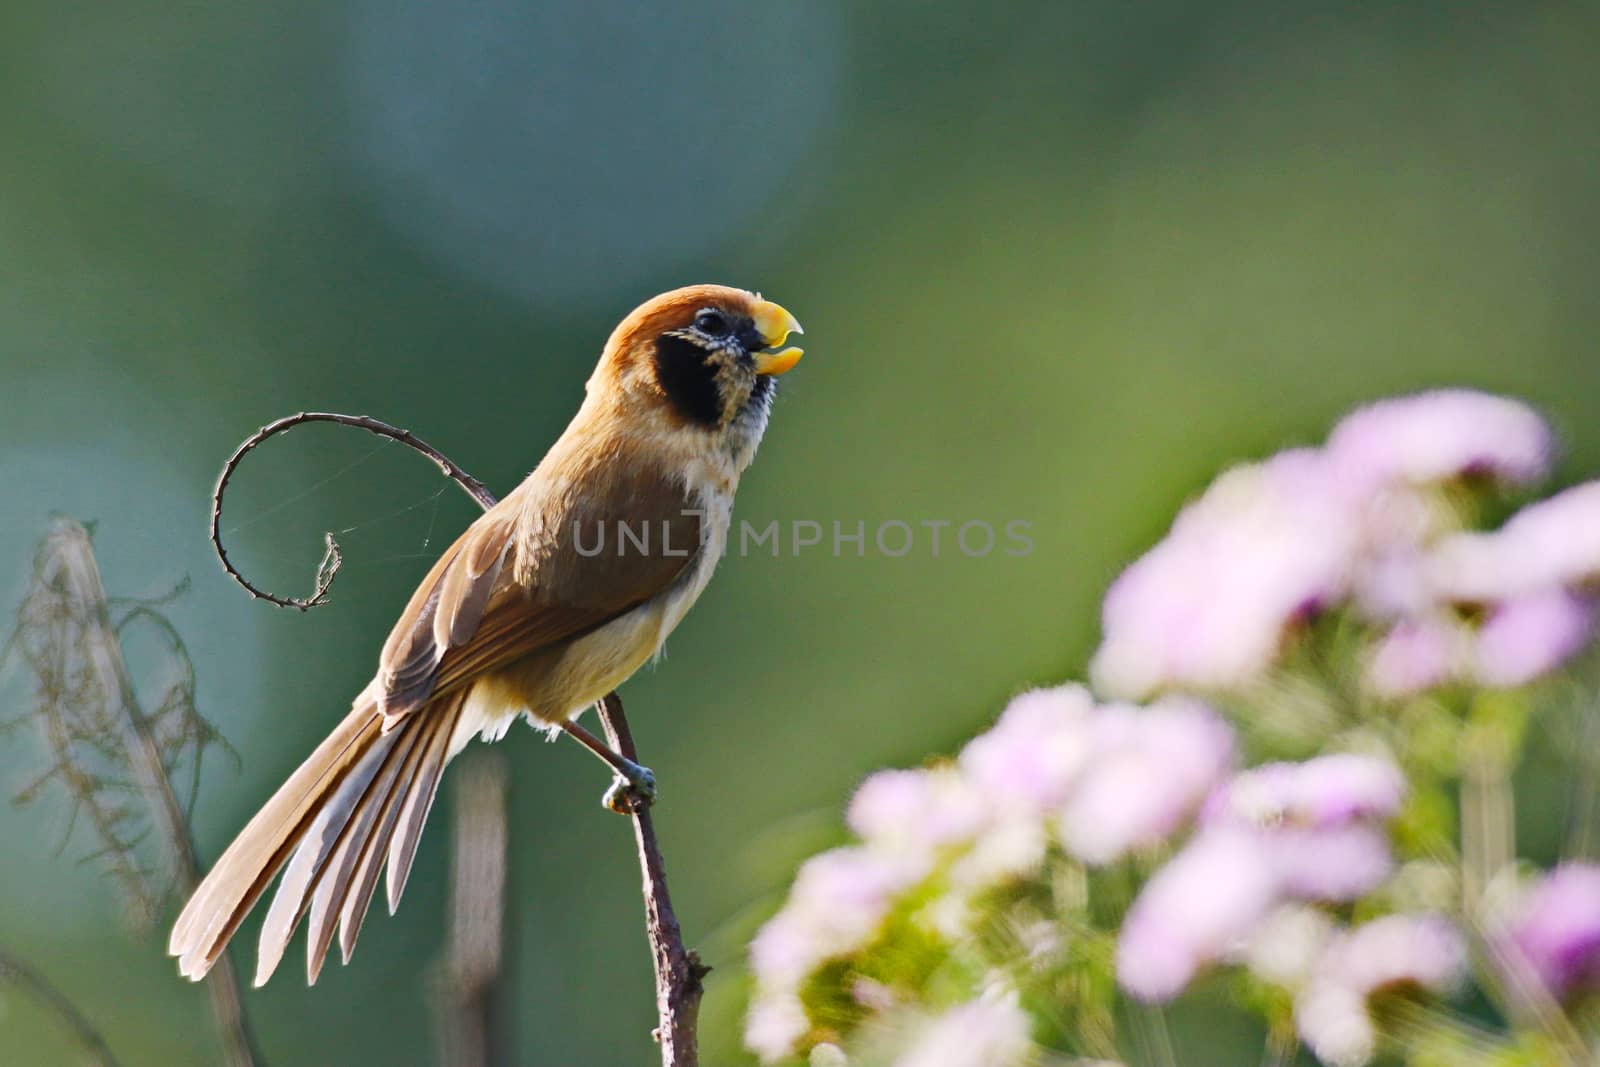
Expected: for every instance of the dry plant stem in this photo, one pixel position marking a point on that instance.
(332, 558)
(1488, 847)
(678, 971)
(145, 758)
(94, 1046)
(477, 910)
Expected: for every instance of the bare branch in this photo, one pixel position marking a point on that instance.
(679, 972)
(332, 558)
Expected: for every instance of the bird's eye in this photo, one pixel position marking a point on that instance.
(712, 323)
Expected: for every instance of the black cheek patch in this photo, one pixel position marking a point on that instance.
(689, 381)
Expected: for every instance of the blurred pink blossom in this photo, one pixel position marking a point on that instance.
(918, 809)
(992, 1031)
(775, 1025)
(1439, 436)
(1557, 929)
(1334, 789)
(1398, 525)
(1325, 791)
(1547, 545)
(839, 899)
(1150, 772)
(1200, 905)
(1287, 944)
(1416, 655)
(1265, 546)
(1531, 635)
(1031, 758)
(1391, 953)
(1316, 821)
(1334, 864)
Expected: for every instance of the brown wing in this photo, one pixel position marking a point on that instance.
(546, 564)
(445, 610)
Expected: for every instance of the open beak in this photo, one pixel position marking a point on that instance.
(775, 325)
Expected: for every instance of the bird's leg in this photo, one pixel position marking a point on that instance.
(634, 787)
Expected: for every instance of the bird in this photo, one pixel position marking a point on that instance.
(546, 603)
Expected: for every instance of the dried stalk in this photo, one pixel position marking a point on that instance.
(88, 1038)
(100, 735)
(477, 914)
(678, 971)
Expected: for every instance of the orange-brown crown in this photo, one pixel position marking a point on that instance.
(626, 360)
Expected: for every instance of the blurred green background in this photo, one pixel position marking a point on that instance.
(1056, 263)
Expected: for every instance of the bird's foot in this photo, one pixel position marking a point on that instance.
(632, 791)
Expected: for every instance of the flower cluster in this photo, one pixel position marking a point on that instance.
(1279, 833)
(1094, 854)
(1374, 519)
(1057, 770)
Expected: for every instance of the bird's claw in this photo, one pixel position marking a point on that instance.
(631, 792)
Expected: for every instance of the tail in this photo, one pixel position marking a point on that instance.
(363, 795)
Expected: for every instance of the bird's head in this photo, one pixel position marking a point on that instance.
(705, 354)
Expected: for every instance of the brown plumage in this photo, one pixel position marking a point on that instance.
(541, 607)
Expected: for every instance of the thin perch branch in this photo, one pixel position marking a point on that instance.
(678, 971)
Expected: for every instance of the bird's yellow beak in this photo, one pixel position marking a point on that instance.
(775, 325)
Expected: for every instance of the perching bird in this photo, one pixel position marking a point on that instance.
(547, 602)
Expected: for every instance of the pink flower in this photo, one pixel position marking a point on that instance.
(1315, 821)
(1335, 789)
(1337, 864)
(1149, 774)
(1031, 758)
(990, 1032)
(1531, 635)
(1210, 606)
(775, 1026)
(1439, 436)
(838, 901)
(1416, 655)
(1200, 905)
(1387, 954)
(1557, 929)
(1287, 944)
(920, 809)
(1550, 544)
(1326, 791)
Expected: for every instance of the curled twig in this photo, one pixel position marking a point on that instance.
(332, 558)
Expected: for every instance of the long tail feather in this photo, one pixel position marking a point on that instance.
(370, 865)
(334, 885)
(244, 870)
(316, 846)
(419, 801)
(332, 821)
